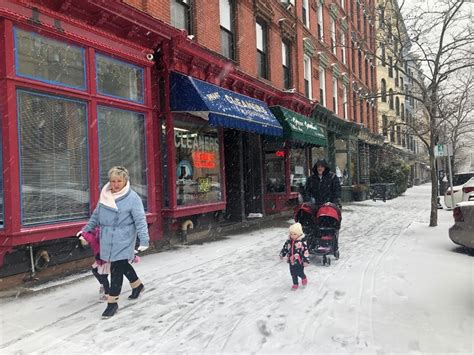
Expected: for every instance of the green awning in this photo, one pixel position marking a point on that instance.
(300, 128)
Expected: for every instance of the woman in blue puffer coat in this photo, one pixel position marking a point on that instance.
(121, 217)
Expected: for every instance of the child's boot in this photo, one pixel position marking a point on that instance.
(137, 288)
(294, 287)
(304, 281)
(112, 307)
(102, 295)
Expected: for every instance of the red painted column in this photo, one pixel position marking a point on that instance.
(11, 164)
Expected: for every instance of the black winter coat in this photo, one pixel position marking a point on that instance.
(324, 189)
(296, 251)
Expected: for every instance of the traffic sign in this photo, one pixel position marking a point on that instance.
(440, 150)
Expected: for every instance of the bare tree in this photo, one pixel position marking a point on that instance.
(458, 108)
(439, 41)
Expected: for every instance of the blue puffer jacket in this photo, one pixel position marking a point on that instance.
(119, 228)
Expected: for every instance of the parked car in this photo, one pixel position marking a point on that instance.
(462, 232)
(458, 181)
(468, 190)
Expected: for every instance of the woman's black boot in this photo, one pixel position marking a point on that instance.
(112, 307)
(136, 290)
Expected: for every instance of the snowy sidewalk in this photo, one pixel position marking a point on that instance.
(399, 287)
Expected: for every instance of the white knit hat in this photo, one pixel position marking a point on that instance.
(296, 228)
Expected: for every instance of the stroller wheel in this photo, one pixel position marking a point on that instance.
(328, 261)
(336, 254)
(324, 260)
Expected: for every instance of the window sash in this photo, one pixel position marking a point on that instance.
(322, 86)
(307, 77)
(320, 22)
(53, 158)
(119, 79)
(286, 62)
(181, 15)
(41, 58)
(225, 14)
(227, 43)
(122, 141)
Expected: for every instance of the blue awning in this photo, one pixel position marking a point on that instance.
(222, 107)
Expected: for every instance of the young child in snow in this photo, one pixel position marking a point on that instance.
(297, 254)
(100, 268)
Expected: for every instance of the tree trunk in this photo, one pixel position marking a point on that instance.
(434, 191)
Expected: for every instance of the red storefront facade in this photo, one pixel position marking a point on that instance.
(88, 86)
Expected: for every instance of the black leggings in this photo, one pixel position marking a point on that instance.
(296, 271)
(118, 270)
(103, 280)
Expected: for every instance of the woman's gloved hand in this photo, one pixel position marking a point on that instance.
(142, 248)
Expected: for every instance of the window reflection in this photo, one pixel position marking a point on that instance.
(274, 167)
(198, 177)
(49, 60)
(298, 169)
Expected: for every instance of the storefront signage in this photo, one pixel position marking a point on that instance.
(195, 141)
(246, 107)
(204, 160)
(304, 126)
(222, 107)
(204, 184)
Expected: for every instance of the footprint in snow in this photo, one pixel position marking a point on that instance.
(262, 327)
(339, 294)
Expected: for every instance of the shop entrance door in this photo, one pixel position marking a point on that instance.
(243, 170)
(235, 208)
(253, 183)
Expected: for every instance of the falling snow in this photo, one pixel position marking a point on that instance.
(399, 287)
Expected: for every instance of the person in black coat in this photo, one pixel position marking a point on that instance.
(323, 186)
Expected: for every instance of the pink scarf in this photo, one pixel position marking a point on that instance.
(107, 197)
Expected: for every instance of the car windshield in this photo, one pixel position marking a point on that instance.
(461, 179)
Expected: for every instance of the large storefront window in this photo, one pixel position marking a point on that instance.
(53, 158)
(122, 142)
(298, 169)
(198, 173)
(51, 61)
(317, 153)
(342, 165)
(274, 167)
(119, 79)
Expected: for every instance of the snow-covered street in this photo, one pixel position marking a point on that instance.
(399, 287)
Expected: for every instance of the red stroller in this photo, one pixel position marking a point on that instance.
(321, 225)
(328, 220)
(305, 214)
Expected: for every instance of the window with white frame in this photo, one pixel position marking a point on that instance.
(307, 77)
(343, 48)
(334, 95)
(262, 60)
(320, 21)
(181, 15)
(333, 36)
(305, 13)
(226, 11)
(322, 86)
(286, 63)
(344, 102)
